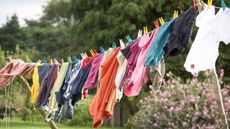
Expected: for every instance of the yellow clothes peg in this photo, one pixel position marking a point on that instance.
(145, 29)
(175, 14)
(92, 52)
(209, 3)
(161, 20)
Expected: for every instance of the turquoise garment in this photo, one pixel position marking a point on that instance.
(156, 52)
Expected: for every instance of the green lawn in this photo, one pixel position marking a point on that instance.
(19, 124)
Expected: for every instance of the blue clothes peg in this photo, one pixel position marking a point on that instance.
(75, 59)
(45, 61)
(223, 4)
(102, 49)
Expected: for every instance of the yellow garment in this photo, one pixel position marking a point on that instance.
(35, 86)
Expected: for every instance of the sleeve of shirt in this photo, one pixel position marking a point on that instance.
(222, 27)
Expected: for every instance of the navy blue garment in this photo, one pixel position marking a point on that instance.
(78, 83)
(69, 110)
(42, 71)
(47, 85)
(180, 33)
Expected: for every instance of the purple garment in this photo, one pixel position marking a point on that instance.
(47, 85)
(93, 73)
(131, 53)
(135, 51)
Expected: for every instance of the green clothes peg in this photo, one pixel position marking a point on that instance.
(223, 4)
(114, 45)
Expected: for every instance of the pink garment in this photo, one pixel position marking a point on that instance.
(139, 76)
(93, 73)
(12, 69)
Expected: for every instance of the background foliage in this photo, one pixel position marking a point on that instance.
(69, 27)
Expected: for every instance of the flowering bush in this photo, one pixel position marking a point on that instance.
(191, 105)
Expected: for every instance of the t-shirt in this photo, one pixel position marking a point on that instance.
(155, 51)
(213, 28)
(139, 76)
(180, 33)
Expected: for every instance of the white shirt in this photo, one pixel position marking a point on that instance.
(120, 73)
(213, 28)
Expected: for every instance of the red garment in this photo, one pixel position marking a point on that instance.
(105, 98)
(12, 69)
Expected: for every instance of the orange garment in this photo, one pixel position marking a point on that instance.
(105, 98)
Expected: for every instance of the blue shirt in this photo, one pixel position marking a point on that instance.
(156, 52)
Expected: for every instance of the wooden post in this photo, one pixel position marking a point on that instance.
(26, 86)
(217, 91)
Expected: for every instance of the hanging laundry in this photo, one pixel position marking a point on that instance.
(79, 81)
(104, 100)
(120, 72)
(65, 89)
(213, 28)
(180, 33)
(139, 75)
(156, 74)
(47, 85)
(132, 58)
(39, 73)
(72, 76)
(52, 105)
(93, 73)
(12, 69)
(155, 52)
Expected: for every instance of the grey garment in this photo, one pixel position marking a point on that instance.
(75, 70)
(156, 75)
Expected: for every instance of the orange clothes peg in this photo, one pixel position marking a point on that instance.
(156, 24)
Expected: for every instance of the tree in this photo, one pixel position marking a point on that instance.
(11, 34)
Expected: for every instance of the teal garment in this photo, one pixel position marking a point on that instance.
(156, 52)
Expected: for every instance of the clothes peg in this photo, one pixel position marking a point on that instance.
(85, 54)
(194, 4)
(69, 59)
(114, 45)
(156, 24)
(161, 20)
(51, 61)
(121, 43)
(129, 39)
(139, 33)
(102, 49)
(39, 61)
(223, 4)
(82, 56)
(45, 61)
(92, 52)
(175, 14)
(145, 29)
(62, 61)
(75, 59)
(95, 51)
(209, 3)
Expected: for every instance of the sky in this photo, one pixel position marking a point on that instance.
(25, 9)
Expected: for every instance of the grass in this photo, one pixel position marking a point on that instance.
(19, 124)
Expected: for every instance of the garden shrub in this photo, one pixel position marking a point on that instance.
(181, 106)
